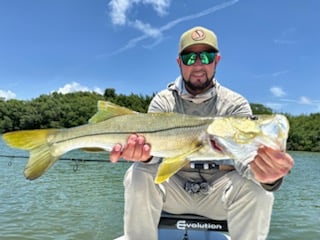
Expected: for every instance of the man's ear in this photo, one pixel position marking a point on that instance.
(218, 57)
(178, 61)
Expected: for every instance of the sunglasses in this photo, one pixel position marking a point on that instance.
(190, 58)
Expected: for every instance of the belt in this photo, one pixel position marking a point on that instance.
(210, 165)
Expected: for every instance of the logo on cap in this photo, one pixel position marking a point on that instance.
(198, 35)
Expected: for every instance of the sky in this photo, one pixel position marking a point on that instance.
(269, 48)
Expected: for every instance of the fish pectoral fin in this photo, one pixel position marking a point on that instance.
(36, 142)
(171, 165)
(107, 110)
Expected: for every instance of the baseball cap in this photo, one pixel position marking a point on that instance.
(198, 35)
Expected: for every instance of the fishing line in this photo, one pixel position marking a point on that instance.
(75, 166)
(10, 162)
(77, 161)
(64, 159)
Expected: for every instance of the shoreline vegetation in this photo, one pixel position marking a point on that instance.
(57, 110)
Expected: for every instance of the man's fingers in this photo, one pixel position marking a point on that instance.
(136, 149)
(115, 153)
(146, 152)
(129, 150)
(270, 165)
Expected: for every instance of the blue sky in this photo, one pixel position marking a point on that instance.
(270, 48)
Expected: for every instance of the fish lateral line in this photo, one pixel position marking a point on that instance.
(134, 132)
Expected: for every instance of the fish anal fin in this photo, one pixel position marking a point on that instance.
(39, 162)
(107, 110)
(171, 165)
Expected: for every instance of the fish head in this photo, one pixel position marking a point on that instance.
(238, 130)
(277, 130)
(238, 137)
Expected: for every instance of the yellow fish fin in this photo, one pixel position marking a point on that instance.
(39, 162)
(171, 165)
(27, 139)
(36, 142)
(108, 110)
(92, 150)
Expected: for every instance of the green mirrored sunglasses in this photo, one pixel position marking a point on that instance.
(191, 58)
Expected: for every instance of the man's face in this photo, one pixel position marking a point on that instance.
(198, 77)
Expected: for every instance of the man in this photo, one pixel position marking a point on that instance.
(245, 200)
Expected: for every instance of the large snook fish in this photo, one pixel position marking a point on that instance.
(176, 138)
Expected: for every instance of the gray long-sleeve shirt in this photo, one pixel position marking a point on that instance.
(218, 101)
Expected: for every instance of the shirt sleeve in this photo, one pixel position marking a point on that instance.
(272, 187)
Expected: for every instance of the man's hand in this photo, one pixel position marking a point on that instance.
(136, 149)
(270, 165)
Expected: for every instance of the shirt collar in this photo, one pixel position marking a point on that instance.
(179, 86)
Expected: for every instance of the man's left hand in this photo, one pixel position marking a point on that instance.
(270, 165)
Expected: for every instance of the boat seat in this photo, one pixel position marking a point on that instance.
(191, 222)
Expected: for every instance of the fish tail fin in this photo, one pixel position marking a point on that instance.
(34, 141)
(26, 139)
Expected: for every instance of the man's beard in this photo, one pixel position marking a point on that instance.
(199, 88)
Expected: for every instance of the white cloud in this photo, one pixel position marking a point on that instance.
(276, 106)
(273, 75)
(119, 10)
(305, 100)
(277, 74)
(146, 28)
(307, 104)
(160, 6)
(98, 90)
(282, 41)
(6, 95)
(286, 37)
(277, 92)
(76, 87)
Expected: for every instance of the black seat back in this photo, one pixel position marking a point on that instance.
(191, 222)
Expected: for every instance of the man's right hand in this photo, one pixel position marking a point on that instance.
(136, 150)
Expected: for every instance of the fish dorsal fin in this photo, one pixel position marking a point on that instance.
(108, 110)
(171, 165)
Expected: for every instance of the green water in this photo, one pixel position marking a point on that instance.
(88, 204)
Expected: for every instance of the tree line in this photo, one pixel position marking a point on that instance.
(58, 110)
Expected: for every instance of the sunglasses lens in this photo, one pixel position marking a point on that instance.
(207, 57)
(190, 58)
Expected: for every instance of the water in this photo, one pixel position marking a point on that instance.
(296, 213)
(88, 203)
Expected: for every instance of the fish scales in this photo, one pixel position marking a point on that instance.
(170, 134)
